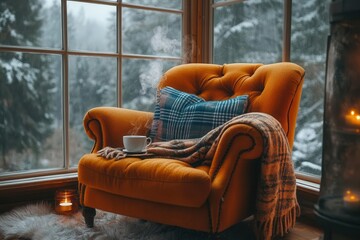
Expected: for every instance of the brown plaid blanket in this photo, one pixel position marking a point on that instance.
(276, 203)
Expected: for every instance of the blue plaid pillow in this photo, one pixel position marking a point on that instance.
(179, 115)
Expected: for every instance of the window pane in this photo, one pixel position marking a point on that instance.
(151, 33)
(310, 28)
(175, 4)
(139, 82)
(31, 124)
(91, 27)
(33, 23)
(248, 32)
(92, 83)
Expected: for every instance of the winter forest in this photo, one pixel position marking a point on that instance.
(33, 89)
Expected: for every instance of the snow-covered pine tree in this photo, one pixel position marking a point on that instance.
(25, 86)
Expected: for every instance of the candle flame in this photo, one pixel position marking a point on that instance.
(357, 116)
(350, 196)
(353, 117)
(65, 203)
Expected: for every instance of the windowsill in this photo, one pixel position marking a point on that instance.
(308, 190)
(310, 187)
(18, 192)
(307, 182)
(34, 182)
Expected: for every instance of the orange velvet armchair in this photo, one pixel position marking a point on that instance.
(205, 198)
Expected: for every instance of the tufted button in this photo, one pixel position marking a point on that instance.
(230, 94)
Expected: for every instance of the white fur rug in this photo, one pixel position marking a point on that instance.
(39, 222)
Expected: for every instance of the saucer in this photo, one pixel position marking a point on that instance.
(126, 151)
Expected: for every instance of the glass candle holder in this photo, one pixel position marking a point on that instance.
(339, 200)
(66, 201)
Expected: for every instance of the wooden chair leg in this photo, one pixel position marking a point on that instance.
(89, 215)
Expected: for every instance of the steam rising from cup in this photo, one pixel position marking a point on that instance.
(161, 44)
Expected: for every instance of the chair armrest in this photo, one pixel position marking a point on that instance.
(238, 142)
(107, 125)
(235, 167)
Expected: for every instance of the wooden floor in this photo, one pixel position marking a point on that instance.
(304, 231)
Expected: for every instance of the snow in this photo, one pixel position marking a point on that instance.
(241, 26)
(310, 165)
(308, 3)
(6, 16)
(308, 17)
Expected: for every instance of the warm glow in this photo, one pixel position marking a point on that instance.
(65, 203)
(353, 118)
(351, 197)
(351, 200)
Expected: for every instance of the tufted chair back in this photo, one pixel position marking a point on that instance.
(260, 82)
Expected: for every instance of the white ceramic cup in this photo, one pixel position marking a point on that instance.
(136, 143)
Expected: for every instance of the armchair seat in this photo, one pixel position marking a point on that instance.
(148, 179)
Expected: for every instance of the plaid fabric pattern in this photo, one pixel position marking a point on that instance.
(179, 115)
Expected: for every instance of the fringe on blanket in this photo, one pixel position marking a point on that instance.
(266, 229)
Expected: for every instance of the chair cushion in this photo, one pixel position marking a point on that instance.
(180, 115)
(158, 180)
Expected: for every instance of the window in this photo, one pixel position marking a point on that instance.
(59, 58)
(255, 29)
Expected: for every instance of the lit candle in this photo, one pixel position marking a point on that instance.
(351, 201)
(66, 201)
(66, 205)
(353, 118)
